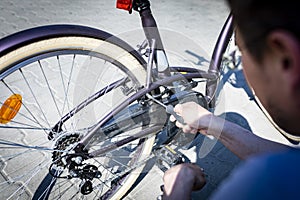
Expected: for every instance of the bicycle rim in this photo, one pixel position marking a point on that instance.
(52, 77)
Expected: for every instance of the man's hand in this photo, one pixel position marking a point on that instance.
(196, 118)
(181, 180)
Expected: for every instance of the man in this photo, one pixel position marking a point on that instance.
(268, 36)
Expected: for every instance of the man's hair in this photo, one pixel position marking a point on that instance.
(255, 19)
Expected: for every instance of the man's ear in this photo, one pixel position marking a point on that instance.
(287, 49)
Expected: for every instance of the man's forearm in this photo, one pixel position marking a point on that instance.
(240, 141)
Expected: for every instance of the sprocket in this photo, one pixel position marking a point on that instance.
(64, 143)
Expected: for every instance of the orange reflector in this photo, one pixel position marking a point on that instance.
(10, 108)
(124, 4)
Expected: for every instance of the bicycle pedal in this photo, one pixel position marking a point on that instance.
(166, 157)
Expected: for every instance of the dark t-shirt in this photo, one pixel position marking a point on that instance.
(271, 176)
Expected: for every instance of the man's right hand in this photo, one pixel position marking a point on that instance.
(196, 117)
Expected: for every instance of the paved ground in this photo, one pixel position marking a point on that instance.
(189, 30)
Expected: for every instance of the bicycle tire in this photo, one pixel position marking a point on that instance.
(27, 50)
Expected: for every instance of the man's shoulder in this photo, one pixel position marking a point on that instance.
(269, 176)
(280, 167)
(276, 160)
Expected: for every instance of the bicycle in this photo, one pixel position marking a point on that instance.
(90, 135)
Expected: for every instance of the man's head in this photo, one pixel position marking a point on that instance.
(268, 35)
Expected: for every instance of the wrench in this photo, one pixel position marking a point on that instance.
(169, 109)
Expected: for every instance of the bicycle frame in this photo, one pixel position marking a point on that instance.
(137, 123)
(152, 35)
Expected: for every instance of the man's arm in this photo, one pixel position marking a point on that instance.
(240, 141)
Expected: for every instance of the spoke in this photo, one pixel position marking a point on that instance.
(20, 178)
(50, 185)
(23, 115)
(108, 89)
(129, 169)
(104, 182)
(114, 145)
(66, 100)
(105, 168)
(87, 102)
(35, 98)
(50, 90)
(35, 120)
(116, 161)
(91, 99)
(28, 140)
(25, 127)
(15, 145)
(74, 196)
(22, 187)
(61, 193)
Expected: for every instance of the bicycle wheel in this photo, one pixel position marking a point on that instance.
(53, 74)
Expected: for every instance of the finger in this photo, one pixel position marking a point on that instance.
(194, 131)
(178, 109)
(178, 124)
(172, 118)
(190, 130)
(187, 129)
(203, 131)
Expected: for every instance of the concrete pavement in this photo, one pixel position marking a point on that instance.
(189, 29)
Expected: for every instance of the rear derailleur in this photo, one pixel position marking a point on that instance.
(73, 163)
(86, 172)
